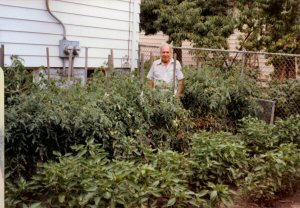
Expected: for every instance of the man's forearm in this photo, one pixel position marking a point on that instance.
(151, 84)
(180, 87)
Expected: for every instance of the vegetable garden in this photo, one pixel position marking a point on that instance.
(77, 147)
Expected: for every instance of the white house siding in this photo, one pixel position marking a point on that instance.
(26, 29)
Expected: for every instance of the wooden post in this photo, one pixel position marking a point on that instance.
(107, 75)
(86, 65)
(174, 73)
(112, 58)
(2, 56)
(296, 67)
(48, 63)
(151, 57)
(243, 63)
(2, 175)
(70, 65)
(139, 56)
(142, 72)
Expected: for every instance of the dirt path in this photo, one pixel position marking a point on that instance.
(292, 201)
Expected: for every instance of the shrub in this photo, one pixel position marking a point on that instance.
(227, 97)
(261, 137)
(273, 174)
(90, 179)
(54, 119)
(287, 97)
(219, 158)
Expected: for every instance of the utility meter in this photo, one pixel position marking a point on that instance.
(66, 47)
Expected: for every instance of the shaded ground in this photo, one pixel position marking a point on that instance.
(292, 201)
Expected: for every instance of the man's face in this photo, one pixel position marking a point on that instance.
(165, 54)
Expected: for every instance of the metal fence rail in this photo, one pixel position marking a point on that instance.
(277, 72)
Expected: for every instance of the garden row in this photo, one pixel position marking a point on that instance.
(77, 147)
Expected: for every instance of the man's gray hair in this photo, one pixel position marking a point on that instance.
(165, 45)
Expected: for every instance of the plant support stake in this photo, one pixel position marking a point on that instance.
(142, 74)
(1, 138)
(86, 65)
(174, 71)
(48, 63)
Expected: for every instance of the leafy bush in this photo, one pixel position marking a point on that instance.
(261, 137)
(275, 162)
(273, 174)
(54, 119)
(18, 82)
(286, 94)
(227, 97)
(219, 158)
(89, 179)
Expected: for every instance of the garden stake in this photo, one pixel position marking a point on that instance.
(1, 138)
(48, 63)
(107, 75)
(142, 74)
(86, 65)
(174, 70)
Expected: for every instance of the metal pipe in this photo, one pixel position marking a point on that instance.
(60, 22)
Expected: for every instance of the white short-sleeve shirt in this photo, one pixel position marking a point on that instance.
(163, 75)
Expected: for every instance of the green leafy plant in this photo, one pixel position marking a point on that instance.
(261, 137)
(90, 179)
(219, 158)
(225, 97)
(273, 174)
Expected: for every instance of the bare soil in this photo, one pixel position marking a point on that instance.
(291, 201)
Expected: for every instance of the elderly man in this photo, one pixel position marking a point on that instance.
(161, 72)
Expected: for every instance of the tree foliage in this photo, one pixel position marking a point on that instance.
(205, 23)
(271, 25)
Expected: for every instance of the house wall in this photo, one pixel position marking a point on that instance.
(26, 29)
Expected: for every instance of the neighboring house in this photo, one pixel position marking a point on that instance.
(27, 29)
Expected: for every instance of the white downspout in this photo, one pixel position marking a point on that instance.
(134, 35)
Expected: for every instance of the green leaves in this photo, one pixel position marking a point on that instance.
(83, 180)
(189, 20)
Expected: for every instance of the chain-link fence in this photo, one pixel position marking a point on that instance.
(276, 73)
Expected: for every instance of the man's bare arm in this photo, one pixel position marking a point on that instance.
(151, 84)
(180, 87)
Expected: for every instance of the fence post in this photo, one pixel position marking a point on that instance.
(243, 63)
(86, 65)
(112, 58)
(107, 75)
(151, 57)
(174, 71)
(139, 56)
(48, 63)
(296, 67)
(2, 56)
(142, 72)
(1, 138)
